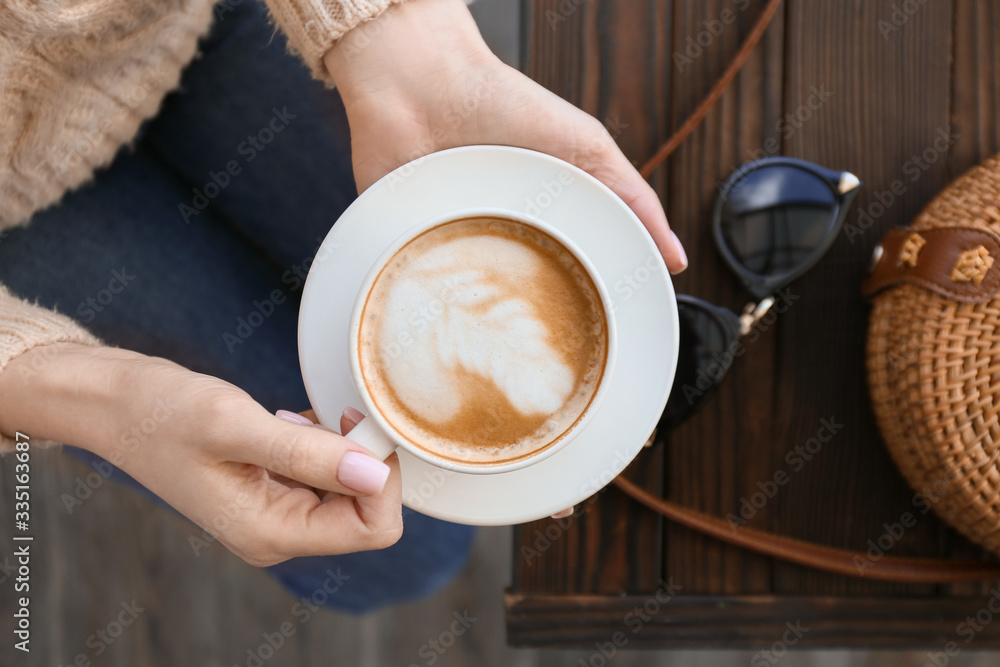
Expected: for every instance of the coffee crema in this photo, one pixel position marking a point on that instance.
(483, 341)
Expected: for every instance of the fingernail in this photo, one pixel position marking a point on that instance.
(362, 473)
(293, 417)
(680, 250)
(354, 415)
(563, 514)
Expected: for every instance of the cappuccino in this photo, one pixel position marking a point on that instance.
(483, 341)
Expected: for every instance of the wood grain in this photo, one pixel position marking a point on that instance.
(754, 622)
(852, 85)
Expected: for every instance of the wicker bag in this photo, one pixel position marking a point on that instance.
(934, 352)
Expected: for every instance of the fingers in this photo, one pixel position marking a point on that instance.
(304, 525)
(623, 179)
(348, 420)
(580, 139)
(315, 493)
(313, 456)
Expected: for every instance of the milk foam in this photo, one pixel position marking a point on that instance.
(460, 327)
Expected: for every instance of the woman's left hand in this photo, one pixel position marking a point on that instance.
(420, 79)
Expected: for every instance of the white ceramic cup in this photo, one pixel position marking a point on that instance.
(377, 435)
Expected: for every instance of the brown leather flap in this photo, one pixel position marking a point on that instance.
(960, 263)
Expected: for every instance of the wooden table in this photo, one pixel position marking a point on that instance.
(847, 84)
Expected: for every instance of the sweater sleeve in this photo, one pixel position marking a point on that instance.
(314, 26)
(24, 326)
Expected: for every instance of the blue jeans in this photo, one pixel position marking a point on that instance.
(220, 205)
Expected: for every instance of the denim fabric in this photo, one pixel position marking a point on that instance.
(211, 216)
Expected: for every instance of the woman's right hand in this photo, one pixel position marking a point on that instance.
(268, 489)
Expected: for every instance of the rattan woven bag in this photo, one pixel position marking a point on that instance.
(934, 352)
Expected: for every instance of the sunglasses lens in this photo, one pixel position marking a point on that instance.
(776, 217)
(706, 342)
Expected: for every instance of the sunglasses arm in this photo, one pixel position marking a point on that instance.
(752, 312)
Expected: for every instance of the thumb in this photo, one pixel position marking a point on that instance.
(313, 456)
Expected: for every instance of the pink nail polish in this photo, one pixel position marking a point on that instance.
(680, 249)
(293, 417)
(354, 415)
(563, 514)
(362, 473)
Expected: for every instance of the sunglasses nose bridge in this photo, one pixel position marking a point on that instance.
(752, 314)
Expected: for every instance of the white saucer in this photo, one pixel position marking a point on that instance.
(601, 225)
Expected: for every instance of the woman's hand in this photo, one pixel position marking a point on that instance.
(267, 488)
(420, 79)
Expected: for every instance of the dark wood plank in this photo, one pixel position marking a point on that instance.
(888, 101)
(754, 622)
(975, 100)
(898, 82)
(614, 550)
(717, 457)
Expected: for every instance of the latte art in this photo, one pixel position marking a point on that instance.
(483, 341)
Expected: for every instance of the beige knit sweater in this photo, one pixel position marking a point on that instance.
(76, 81)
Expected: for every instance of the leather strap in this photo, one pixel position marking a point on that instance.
(839, 561)
(701, 110)
(960, 263)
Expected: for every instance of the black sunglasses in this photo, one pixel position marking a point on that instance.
(773, 220)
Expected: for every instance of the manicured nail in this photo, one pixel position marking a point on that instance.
(293, 417)
(563, 514)
(354, 415)
(363, 473)
(680, 250)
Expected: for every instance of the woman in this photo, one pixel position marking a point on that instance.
(117, 296)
